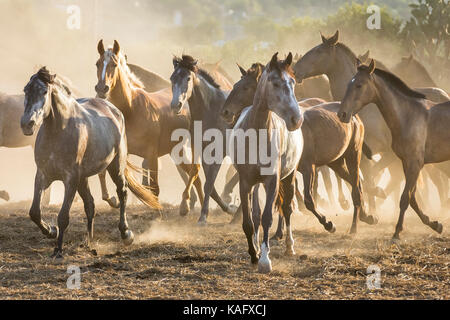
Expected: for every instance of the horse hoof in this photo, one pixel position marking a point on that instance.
(232, 209)
(54, 232)
(395, 239)
(289, 252)
(264, 266)
(345, 205)
(436, 226)
(4, 195)
(57, 254)
(369, 219)
(276, 237)
(184, 208)
(329, 226)
(113, 202)
(352, 231)
(128, 238)
(201, 221)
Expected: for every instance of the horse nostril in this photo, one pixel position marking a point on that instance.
(31, 124)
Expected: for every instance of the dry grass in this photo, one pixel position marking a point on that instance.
(177, 259)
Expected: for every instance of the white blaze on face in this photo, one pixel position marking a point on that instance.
(106, 60)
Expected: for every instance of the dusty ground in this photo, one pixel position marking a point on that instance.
(175, 258)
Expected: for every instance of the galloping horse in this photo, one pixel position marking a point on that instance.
(194, 85)
(11, 136)
(275, 110)
(426, 141)
(76, 139)
(327, 142)
(148, 117)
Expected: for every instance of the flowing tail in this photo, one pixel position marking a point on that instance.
(144, 194)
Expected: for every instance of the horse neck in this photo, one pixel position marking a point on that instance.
(62, 109)
(341, 72)
(394, 106)
(122, 93)
(202, 99)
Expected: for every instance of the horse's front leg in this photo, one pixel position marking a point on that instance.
(193, 176)
(70, 189)
(40, 184)
(288, 191)
(247, 221)
(112, 201)
(271, 187)
(211, 171)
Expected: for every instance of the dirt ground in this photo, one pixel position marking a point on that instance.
(175, 258)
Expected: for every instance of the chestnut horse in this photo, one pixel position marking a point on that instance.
(427, 141)
(148, 117)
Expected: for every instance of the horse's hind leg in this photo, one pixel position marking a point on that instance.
(89, 206)
(229, 186)
(185, 176)
(211, 171)
(308, 181)
(35, 211)
(288, 187)
(112, 201)
(256, 214)
(116, 171)
(247, 222)
(193, 176)
(70, 189)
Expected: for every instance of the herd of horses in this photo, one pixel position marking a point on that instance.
(331, 110)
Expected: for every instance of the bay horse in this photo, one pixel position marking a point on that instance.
(274, 110)
(148, 116)
(327, 142)
(76, 139)
(427, 141)
(195, 86)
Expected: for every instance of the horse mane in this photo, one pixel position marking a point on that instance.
(396, 82)
(253, 70)
(44, 75)
(134, 80)
(188, 62)
(346, 50)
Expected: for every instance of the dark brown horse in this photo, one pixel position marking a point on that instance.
(148, 117)
(76, 139)
(427, 141)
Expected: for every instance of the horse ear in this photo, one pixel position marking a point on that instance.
(274, 61)
(372, 66)
(175, 62)
(52, 78)
(324, 40)
(101, 47)
(116, 48)
(242, 70)
(358, 62)
(365, 56)
(288, 60)
(334, 39)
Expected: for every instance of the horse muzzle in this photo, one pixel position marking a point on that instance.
(176, 106)
(28, 127)
(101, 90)
(227, 115)
(344, 116)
